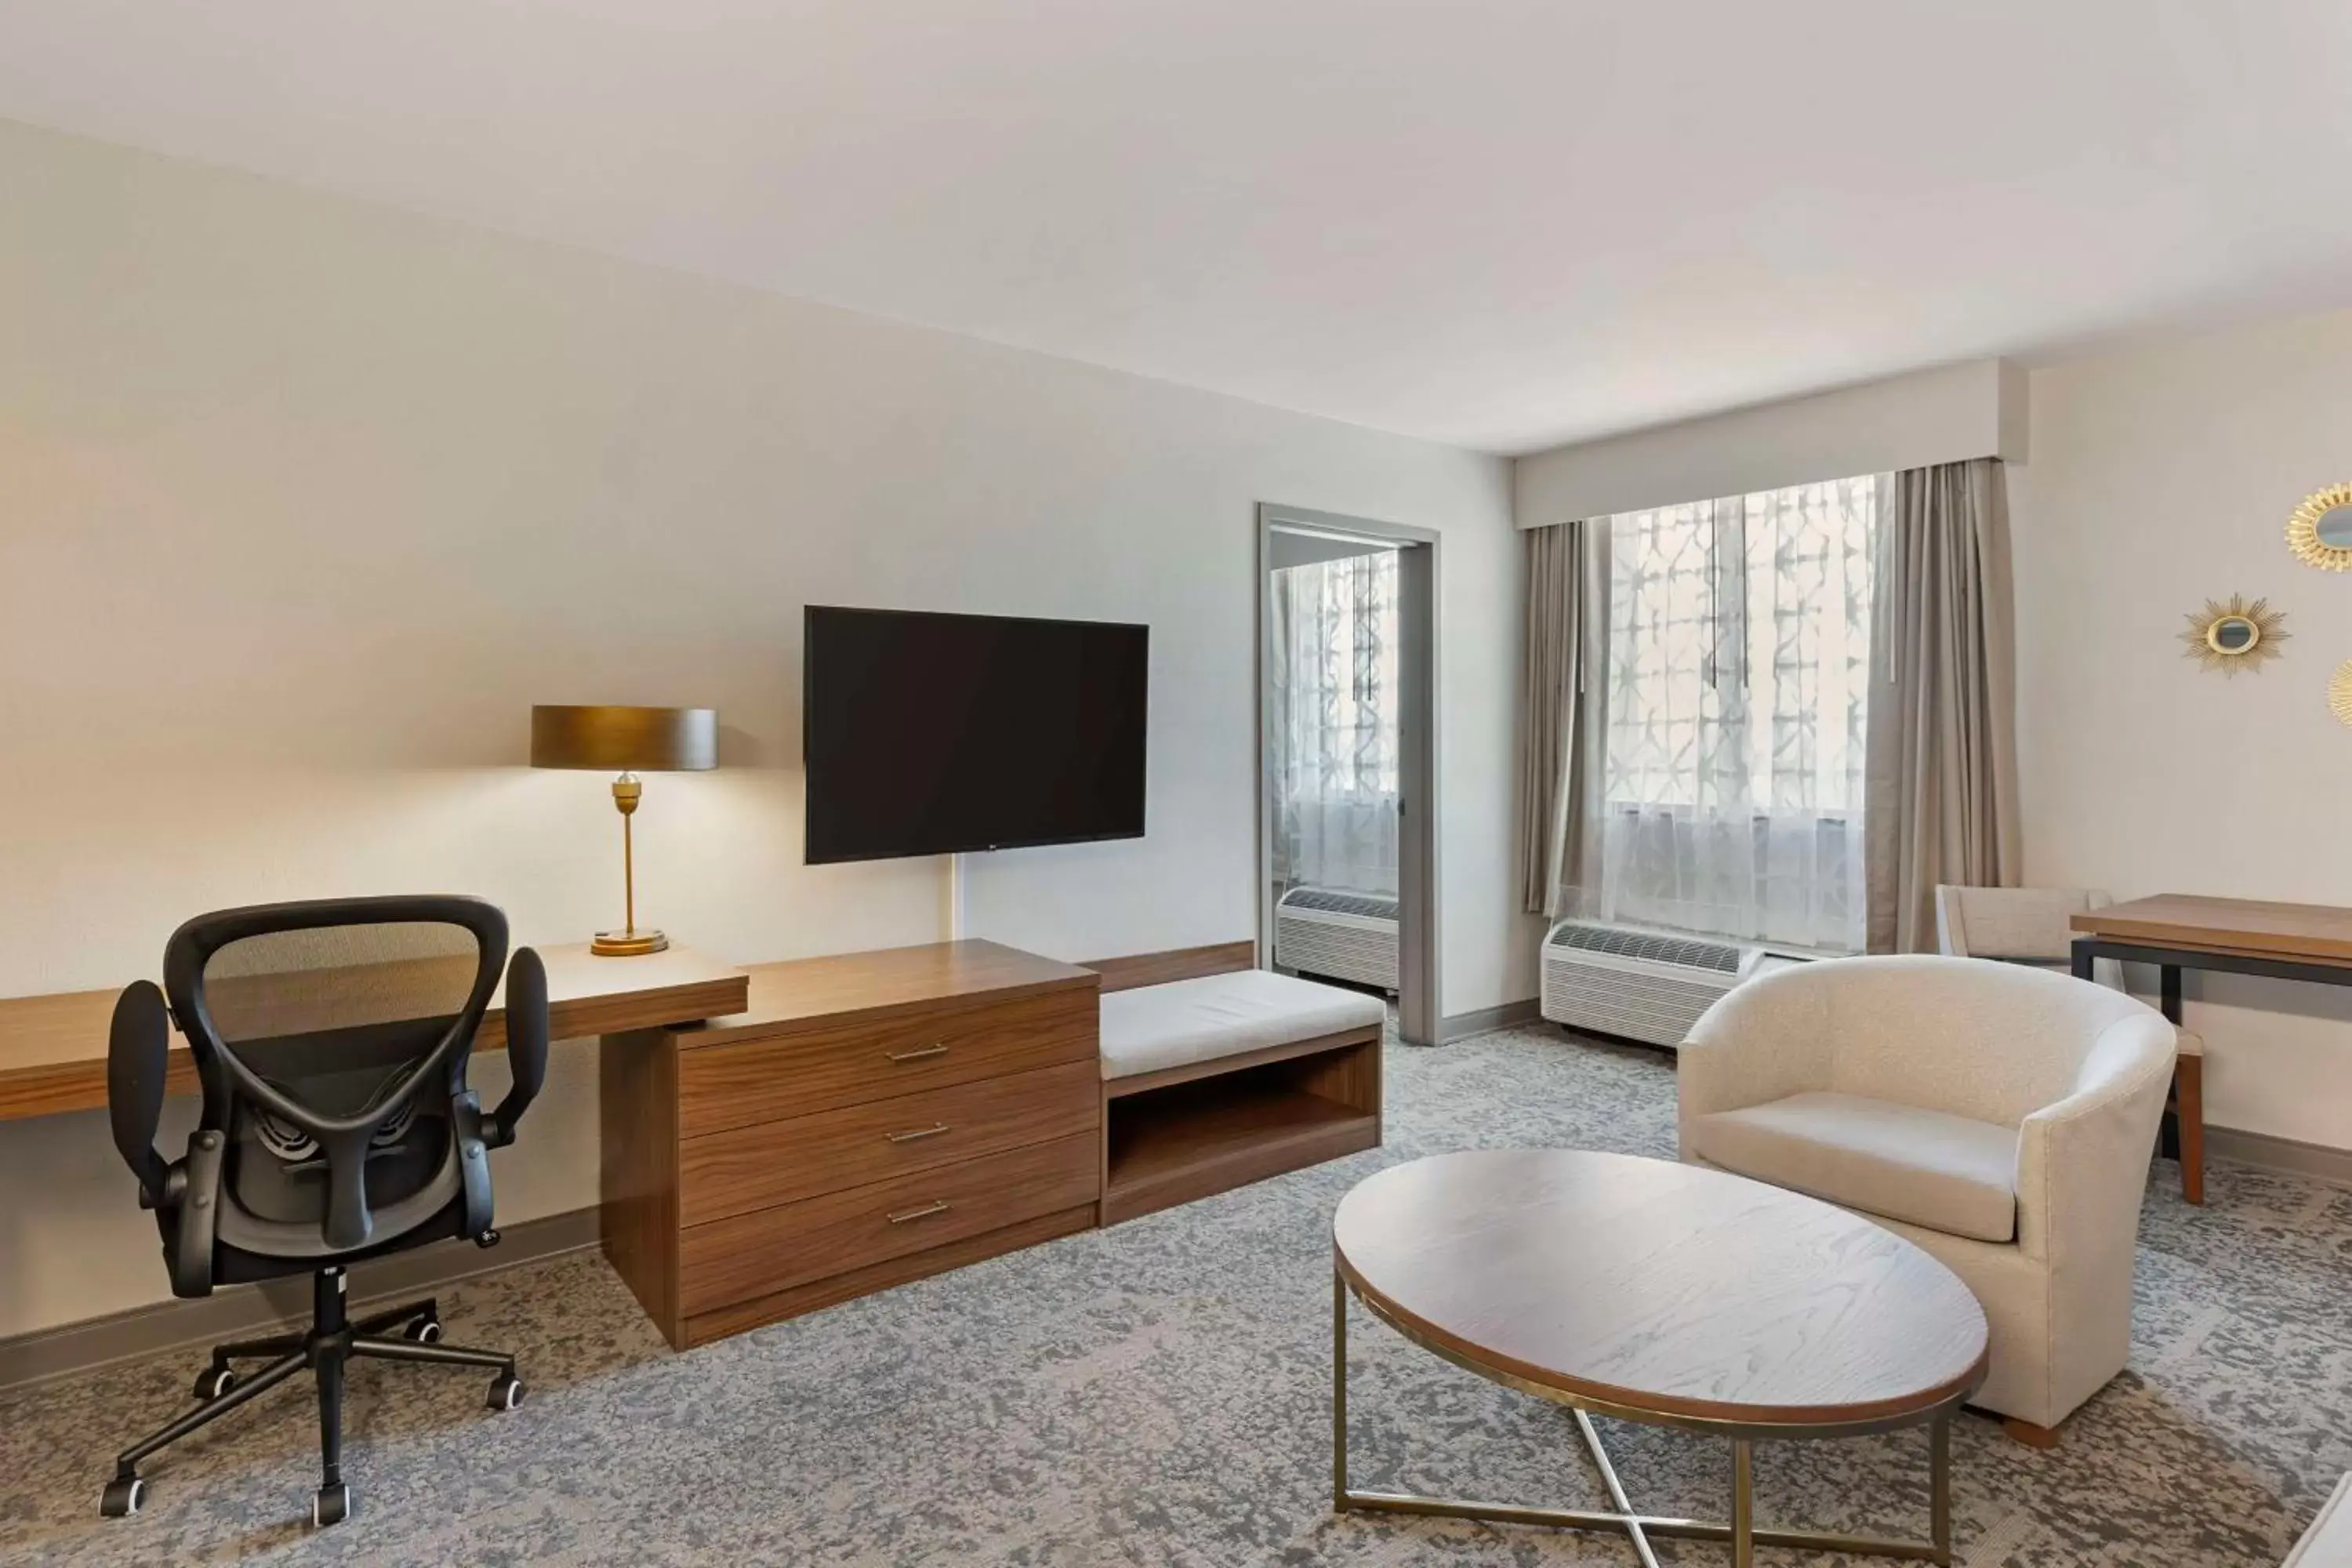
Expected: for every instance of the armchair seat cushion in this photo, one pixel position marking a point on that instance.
(1928, 1167)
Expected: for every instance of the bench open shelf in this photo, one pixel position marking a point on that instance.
(1169, 1139)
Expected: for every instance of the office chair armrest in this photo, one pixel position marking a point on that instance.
(137, 1052)
(525, 1044)
(194, 1188)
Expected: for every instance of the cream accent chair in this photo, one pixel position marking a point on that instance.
(1999, 1116)
(2032, 925)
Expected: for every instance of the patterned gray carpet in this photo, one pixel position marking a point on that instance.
(1157, 1394)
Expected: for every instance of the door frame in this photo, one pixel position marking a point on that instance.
(1420, 898)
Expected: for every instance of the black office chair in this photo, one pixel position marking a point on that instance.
(331, 1039)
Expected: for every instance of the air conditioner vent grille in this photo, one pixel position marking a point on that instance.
(1332, 902)
(1684, 952)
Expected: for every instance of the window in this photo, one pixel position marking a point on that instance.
(1737, 689)
(1332, 725)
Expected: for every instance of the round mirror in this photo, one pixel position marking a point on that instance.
(2320, 532)
(2233, 633)
(2339, 693)
(2239, 635)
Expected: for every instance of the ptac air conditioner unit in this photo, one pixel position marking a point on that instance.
(1644, 985)
(1337, 933)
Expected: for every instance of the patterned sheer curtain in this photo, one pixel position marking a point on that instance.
(1737, 691)
(1332, 723)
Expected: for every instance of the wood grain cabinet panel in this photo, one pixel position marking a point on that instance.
(778, 1248)
(867, 1119)
(826, 1064)
(747, 1168)
(834, 1288)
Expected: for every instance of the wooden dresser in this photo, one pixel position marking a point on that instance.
(869, 1119)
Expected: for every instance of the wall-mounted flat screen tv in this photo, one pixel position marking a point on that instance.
(934, 734)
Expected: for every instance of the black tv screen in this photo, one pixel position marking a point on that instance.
(932, 734)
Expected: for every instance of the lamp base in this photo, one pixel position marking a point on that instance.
(628, 943)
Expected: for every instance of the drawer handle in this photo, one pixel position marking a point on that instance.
(926, 1054)
(926, 1212)
(917, 1134)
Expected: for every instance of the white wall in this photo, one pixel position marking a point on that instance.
(1944, 415)
(303, 503)
(2159, 480)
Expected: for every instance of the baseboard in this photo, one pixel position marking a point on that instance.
(245, 1311)
(2269, 1153)
(1510, 1015)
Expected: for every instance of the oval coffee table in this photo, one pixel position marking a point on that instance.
(1665, 1293)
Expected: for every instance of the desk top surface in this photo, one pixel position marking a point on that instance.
(2320, 932)
(53, 1049)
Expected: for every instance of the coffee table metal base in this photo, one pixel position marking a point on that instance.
(1742, 1533)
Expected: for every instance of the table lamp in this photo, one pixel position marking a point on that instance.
(625, 740)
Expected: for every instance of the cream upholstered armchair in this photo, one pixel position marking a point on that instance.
(2033, 925)
(2001, 1117)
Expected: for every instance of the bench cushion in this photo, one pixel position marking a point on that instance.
(1947, 1172)
(1151, 1028)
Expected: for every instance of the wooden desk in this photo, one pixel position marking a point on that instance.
(53, 1049)
(2245, 933)
(2237, 936)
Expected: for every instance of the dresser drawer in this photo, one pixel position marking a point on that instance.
(741, 1082)
(748, 1255)
(746, 1168)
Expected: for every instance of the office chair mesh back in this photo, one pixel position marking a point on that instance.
(338, 1019)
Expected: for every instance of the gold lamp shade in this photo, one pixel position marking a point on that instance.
(625, 741)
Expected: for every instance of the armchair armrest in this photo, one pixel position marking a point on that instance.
(2081, 1171)
(1762, 1041)
(2081, 1164)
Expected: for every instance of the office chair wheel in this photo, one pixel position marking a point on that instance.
(331, 1504)
(425, 1331)
(123, 1496)
(506, 1390)
(213, 1381)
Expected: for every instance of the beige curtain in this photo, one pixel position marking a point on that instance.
(1940, 786)
(1566, 614)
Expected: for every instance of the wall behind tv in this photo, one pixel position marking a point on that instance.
(303, 503)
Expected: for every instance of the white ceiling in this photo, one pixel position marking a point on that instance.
(1498, 223)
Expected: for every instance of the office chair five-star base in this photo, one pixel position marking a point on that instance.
(330, 1342)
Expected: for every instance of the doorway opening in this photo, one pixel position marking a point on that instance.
(1346, 759)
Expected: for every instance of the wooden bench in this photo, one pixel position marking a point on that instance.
(1216, 1074)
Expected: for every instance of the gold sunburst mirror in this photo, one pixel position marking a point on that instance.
(2339, 693)
(2237, 636)
(2320, 532)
